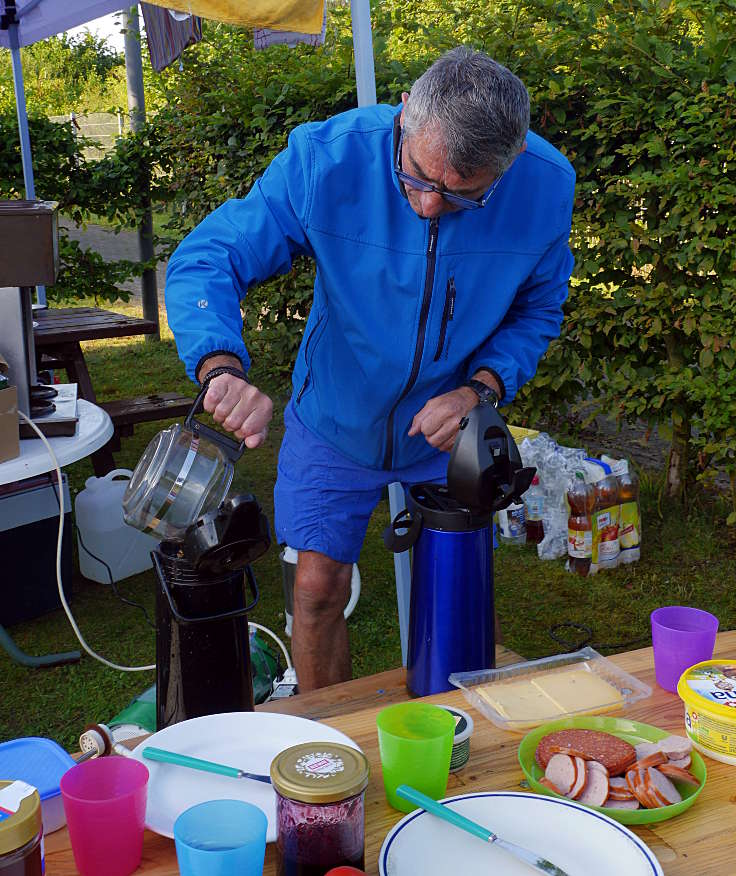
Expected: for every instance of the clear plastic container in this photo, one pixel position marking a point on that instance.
(320, 790)
(105, 539)
(528, 694)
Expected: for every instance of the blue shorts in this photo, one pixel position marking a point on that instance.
(323, 501)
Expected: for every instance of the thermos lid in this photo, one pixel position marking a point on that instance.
(20, 815)
(442, 511)
(320, 772)
(485, 471)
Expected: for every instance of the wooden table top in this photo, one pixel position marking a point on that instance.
(698, 841)
(59, 325)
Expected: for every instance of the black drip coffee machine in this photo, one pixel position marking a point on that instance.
(206, 589)
(206, 586)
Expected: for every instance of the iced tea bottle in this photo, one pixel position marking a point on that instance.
(605, 523)
(580, 498)
(534, 507)
(629, 530)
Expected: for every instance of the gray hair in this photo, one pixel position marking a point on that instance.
(478, 109)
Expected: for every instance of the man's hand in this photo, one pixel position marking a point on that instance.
(439, 419)
(240, 407)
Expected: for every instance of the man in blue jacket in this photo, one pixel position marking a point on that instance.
(440, 233)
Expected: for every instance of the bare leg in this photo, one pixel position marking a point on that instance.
(320, 634)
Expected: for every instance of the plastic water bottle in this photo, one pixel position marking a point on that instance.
(534, 507)
(512, 524)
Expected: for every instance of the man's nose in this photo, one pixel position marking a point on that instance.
(432, 203)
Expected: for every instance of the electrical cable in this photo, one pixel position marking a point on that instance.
(576, 645)
(62, 597)
(276, 639)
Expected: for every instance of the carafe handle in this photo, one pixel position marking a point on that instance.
(233, 449)
(403, 520)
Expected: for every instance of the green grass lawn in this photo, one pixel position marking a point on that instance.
(686, 558)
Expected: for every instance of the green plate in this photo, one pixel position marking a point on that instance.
(631, 731)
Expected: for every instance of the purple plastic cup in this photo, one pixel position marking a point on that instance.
(681, 637)
(105, 806)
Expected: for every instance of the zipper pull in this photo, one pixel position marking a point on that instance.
(452, 291)
(304, 386)
(433, 227)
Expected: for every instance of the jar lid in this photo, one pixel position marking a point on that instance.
(320, 772)
(710, 685)
(20, 815)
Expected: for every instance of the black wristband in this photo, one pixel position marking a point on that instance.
(486, 394)
(225, 369)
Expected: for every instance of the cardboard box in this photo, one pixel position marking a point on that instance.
(9, 435)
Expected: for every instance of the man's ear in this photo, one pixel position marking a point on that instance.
(523, 147)
(404, 99)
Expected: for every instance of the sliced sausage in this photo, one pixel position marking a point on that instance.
(641, 792)
(611, 803)
(561, 773)
(651, 760)
(662, 787)
(595, 792)
(675, 747)
(597, 765)
(618, 789)
(644, 749)
(682, 762)
(581, 778)
(679, 774)
(614, 753)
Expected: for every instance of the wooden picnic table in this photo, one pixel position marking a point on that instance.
(57, 338)
(698, 841)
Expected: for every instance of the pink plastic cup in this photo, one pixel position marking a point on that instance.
(105, 806)
(681, 637)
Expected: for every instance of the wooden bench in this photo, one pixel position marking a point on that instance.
(126, 412)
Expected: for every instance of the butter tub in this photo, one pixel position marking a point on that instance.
(708, 691)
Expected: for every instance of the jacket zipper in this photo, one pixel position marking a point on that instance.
(448, 315)
(306, 358)
(421, 333)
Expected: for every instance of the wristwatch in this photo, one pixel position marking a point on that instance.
(486, 395)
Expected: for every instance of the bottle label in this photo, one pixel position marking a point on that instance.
(605, 536)
(512, 522)
(580, 543)
(628, 533)
(534, 507)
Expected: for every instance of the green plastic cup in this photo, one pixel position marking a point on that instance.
(415, 744)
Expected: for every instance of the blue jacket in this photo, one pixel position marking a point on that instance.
(404, 309)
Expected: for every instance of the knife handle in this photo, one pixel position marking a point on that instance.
(444, 812)
(195, 763)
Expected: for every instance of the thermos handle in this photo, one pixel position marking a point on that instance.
(183, 619)
(233, 449)
(403, 520)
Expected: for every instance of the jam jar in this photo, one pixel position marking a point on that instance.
(21, 830)
(320, 790)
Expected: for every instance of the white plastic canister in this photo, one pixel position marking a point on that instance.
(105, 535)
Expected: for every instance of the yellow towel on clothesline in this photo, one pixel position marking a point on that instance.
(304, 16)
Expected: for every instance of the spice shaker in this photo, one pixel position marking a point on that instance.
(320, 790)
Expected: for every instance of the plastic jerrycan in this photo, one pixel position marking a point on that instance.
(103, 535)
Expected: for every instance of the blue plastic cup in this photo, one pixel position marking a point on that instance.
(221, 838)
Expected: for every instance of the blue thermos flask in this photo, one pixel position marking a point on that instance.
(448, 527)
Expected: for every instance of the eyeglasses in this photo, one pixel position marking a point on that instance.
(424, 186)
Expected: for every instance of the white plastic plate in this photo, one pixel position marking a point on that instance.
(246, 740)
(580, 841)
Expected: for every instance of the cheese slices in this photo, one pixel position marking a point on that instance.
(551, 695)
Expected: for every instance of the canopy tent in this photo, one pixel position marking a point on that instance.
(23, 22)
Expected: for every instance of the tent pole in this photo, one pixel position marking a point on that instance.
(25, 140)
(365, 77)
(137, 110)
